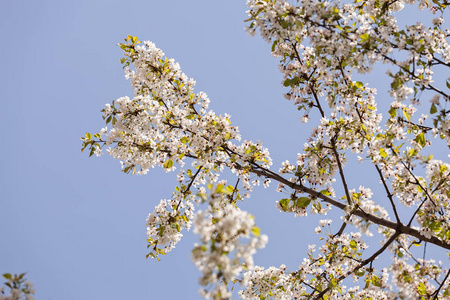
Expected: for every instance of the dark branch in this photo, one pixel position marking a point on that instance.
(398, 227)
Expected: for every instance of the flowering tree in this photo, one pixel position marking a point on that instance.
(321, 45)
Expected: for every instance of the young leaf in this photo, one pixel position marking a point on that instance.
(256, 231)
(303, 202)
(433, 109)
(168, 163)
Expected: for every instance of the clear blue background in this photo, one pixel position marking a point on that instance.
(77, 224)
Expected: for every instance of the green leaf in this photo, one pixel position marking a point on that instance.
(255, 231)
(393, 112)
(359, 84)
(420, 139)
(184, 139)
(7, 276)
(284, 203)
(325, 192)
(332, 283)
(92, 151)
(435, 226)
(407, 115)
(421, 289)
(396, 83)
(220, 189)
(433, 109)
(376, 281)
(169, 163)
(274, 45)
(317, 206)
(364, 37)
(303, 202)
(160, 251)
(383, 153)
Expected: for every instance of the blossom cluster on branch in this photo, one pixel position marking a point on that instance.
(19, 288)
(322, 47)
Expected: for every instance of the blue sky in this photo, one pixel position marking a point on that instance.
(77, 224)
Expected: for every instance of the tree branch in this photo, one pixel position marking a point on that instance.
(436, 293)
(398, 227)
(383, 180)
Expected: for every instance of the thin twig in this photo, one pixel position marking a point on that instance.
(383, 180)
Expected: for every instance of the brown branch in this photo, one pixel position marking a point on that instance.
(341, 172)
(398, 227)
(440, 62)
(429, 86)
(189, 186)
(383, 180)
(417, 210)
(436, 293)
(424, 128)
(235, 188)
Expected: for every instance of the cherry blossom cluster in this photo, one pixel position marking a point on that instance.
(362, 200)
(165, 223)
(272, 282)
(163, 124)
(221, 255)
(319, 272)
(19, 288)
(418, 275)
(166, 121)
